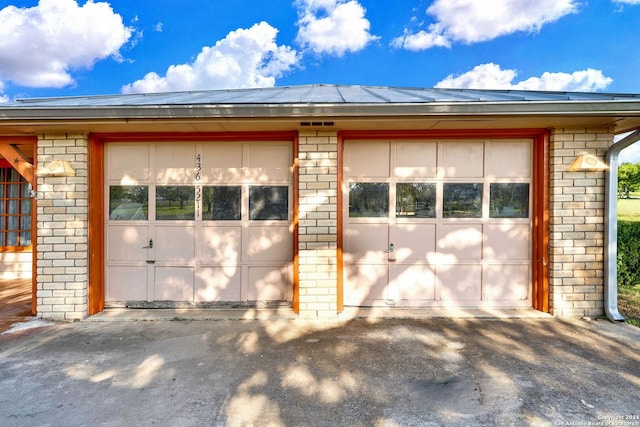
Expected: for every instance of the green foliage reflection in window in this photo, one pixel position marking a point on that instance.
(128, 202)
(368, 199)
(509, 200)
(415, 200)
(462, 200)
(221, 203)
(175, 203)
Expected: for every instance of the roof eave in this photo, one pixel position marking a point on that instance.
(236, 111)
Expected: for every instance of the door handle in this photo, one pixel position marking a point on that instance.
(150, 245)
(391, 255)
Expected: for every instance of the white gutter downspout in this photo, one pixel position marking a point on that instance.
(611, 226)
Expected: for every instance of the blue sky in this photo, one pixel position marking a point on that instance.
(76, 47)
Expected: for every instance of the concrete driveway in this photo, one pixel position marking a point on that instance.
(427, 372)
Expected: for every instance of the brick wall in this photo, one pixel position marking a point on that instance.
(62, 217)
(317, 240)
(576, 222)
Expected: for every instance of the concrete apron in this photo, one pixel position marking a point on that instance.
(355, 372)
(284, 313)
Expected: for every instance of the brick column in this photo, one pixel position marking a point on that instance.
(317, 235)
(576, 221)
(62, 221)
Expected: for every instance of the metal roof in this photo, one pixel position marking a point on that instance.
(347, 107)
(319, 94)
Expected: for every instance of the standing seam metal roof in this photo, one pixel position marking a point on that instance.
(320, 94)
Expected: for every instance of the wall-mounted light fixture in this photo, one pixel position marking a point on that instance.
(586, 162)
(57, 168)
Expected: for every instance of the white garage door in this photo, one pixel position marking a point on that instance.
(198, 222)
(437, 223)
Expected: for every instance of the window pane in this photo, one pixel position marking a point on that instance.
(12, 238)
(25, 192)
(175, 203)
(509, 201)
(25, 222)
(25, 238)
(368, 199)
(12, 206)
(221, 203)
(416, 200)
(269, 202)
(462, 200)
(128, 202)
(25, 206)
(13, 190)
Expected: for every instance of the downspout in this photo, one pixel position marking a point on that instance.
(611, 226)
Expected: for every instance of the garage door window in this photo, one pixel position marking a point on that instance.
(175, 203)
(269, 203)
(368, 199)
(509, 200)
(222, 203)
(128, 202)
(416, 200)
(462, 200)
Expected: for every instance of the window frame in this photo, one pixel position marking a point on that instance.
(12, 177)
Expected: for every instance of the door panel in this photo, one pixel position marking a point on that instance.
(460, 241)
(175, 164)
(462, 159)
(366, 284)
(219, 284)
(175, 244)
(366, 243)
(128, 164)
(371, 160)
(507, 242)
(127, 283)
(174, 284)
(269, 283)
(506, 283)
(413, 242)
(127, 242)
(269, 244)
(220, 245)
(459, 283)
(412, 284)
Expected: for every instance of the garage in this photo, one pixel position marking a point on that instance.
(438, 223)
(198, 222)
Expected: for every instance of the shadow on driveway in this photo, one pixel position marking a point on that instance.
(296, 373)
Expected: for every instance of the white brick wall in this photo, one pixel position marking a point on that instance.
(576, 222)
(62, 217)
(318, 231)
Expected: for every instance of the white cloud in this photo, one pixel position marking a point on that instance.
(244, 58)
(3, 98)
(471, 21)
(492, 76)
(627, 1)
(333, 27)
(39, 46)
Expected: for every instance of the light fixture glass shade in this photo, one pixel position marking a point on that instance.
(57, 168)
(587, 163)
